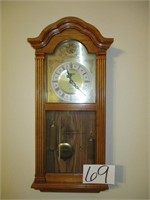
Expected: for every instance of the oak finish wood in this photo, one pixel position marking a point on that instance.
(68, 28)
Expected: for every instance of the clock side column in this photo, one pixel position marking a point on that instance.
(101, 112)
(39, 119)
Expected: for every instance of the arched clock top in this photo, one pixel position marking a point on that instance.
(59, 31)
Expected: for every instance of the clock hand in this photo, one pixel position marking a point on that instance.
(74, 84)
(69, 75)
(71, 81)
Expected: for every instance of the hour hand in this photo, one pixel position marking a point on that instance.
(71, 81)
(69, 75)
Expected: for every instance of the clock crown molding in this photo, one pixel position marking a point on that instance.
(67, 23)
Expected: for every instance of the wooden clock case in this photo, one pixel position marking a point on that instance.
(68, 28)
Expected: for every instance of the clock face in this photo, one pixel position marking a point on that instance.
(71, 82)
(71, 74)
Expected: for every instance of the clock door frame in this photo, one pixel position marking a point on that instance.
(68, 28)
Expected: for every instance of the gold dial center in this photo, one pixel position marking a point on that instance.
(67, 84)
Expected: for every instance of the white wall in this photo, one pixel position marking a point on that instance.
(127, 93)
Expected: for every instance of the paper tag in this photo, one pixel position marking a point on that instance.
(95, 173)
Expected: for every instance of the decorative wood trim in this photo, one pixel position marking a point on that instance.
(57, 177)
(69, 187)
(70, 23)
(40, 116)
(101, 115)
(73, 107)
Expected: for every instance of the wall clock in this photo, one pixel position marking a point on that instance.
(70, 68)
